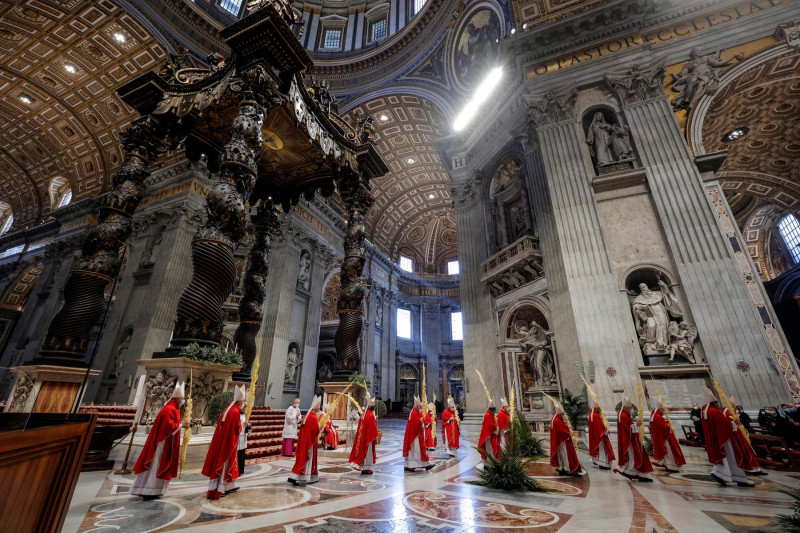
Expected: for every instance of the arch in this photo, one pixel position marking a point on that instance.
(539, 303)
(60, 192)
(439, 100)
(657, 270)
(6, 218)
(19, 290)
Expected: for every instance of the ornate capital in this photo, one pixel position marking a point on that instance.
(552, 107)
(467, 193)
(639, 83)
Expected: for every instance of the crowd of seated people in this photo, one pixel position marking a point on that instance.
(782, 421)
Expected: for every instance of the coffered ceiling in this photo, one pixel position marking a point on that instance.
(413, 207)
(60, 62)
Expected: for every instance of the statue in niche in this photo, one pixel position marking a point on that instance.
(305, 270)
(119, 354)
(608, 143)
(406, 372)
(653, 313)
(378, 311)
(292, 362)
(21, 393)
(699, 77)
(536, 344)
(149, 255)
(324, 373)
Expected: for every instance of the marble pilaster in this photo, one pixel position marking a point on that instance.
(321, 257)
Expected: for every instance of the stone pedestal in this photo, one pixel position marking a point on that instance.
(332, 390)
(163, 373)
(46, 388)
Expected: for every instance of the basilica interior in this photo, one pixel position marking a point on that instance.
(549, 203)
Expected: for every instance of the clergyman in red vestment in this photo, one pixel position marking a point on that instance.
(363, 456)
(721, 448)
(304, 471)
(430, 435)
(503, 423)
(158, 462)
(666, 449)
(562, 450)
(600, 447)
(450, 430)
(414, 453)
(331, 437)
(222, 465)
(488, 441)
(633, 460)
(748, 460)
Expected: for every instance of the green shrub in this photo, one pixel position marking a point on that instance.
(508, 474)
(380, 409)
(574, 407)
(218, 404)
(521, 440)
(790, 523)
(217, 355)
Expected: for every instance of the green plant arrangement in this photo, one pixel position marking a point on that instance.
(574, 407)
(380, 409)
(648, 446)
(790, 523)
(361, 379)
(522, 439)
(212, 355)
(508, 473)
(217, 405)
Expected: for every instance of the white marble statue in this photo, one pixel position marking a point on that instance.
(305, 270)
(536, 344)
(599, 140)
(700, 76)
(653, 311)
(292, 361)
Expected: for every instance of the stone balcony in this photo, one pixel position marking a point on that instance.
(513, 266)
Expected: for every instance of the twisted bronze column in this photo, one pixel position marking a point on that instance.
(68, 336)
(266, 222)
(357, 199)
(199, 315)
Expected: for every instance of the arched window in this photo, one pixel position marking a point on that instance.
(790, 231)
(6, 218)
(60, 193)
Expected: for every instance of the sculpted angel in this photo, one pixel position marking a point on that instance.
(698, 77)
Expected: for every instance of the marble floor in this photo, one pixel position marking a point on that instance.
(439, 500)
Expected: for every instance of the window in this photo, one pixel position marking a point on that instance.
(456, 326)
(60, 193)
(406, 263)
(418, 4)
(452, 267)
(333, 38)
(790, 231)
(231, 6)
(12, 251)
(404, 323)
(377, 30)
(6, 218)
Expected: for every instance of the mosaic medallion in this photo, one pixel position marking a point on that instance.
(135, 515)
(476, 513)
(259, 500)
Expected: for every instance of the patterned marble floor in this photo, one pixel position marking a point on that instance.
(439, 501)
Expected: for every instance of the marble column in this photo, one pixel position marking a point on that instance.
(278, 309)
(480, 324)
(322, 258)
(432, 344)
(589, 320)
(390, 332)
(730, 327)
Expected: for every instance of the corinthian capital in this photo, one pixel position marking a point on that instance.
(553, 106)
(467, 193)
(639, 83)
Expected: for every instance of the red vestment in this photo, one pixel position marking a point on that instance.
(331, 435)
(717, 430)
(366, 434)
(167, 422)
(430, 438)
(745, 456)
(662, 436)
(503, 419)
(489, 440)
(223, 448)
(598, 435)
(450, 432)
(307, 446)
(560, 434)
(625, 437)
(415, 431)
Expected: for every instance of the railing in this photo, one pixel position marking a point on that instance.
(513, 266)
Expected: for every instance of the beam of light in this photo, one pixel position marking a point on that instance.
(482, 93)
